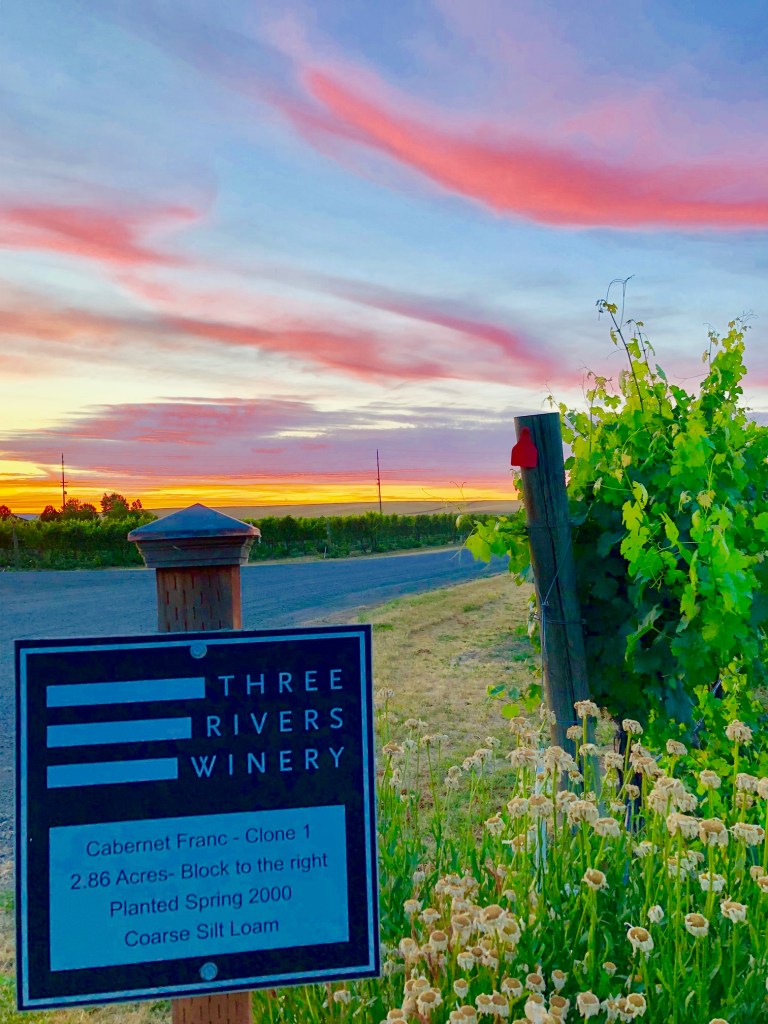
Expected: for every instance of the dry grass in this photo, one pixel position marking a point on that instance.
(7, 940)
(438, 652)
(441, 651)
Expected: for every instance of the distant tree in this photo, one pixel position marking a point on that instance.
(76, 509)
(71, 508)
(49, 513)
(136, 506)
(5, 512)
(114, 505)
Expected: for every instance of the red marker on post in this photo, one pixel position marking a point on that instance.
(525, 454)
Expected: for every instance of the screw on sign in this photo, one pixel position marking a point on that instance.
(525, 454)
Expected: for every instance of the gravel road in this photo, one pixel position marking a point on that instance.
(122, 602)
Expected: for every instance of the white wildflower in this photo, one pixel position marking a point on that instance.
(710, 779)
(607, 827)
(633, 728)
(495, 825)
(582, 810)
(640, 938)
(711, 882)
(595, 879)
(676, 749)
(737, 732)
(540, 806)
(687, 827)
(712, 832)
(733, 911)
(747, 833)
(587, 1004)
(747, 783)
(696, 924)
(517, 806)
(586, 709)
(559, 979)
(522, 757)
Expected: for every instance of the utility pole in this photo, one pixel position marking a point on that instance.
(378, 478)
(63, 492)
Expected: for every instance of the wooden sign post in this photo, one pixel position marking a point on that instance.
(545, 498)
(203, 798)
(197, 554)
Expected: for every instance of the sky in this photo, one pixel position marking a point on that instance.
(244, 246)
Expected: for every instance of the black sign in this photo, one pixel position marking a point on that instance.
(195, 813)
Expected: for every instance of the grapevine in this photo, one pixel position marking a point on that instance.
(668, 500)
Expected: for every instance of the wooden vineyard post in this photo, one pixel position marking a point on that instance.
(197, 554)
(546, 505)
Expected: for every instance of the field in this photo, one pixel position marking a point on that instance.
(356, 508)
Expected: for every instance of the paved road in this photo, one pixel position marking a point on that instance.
(122, 602)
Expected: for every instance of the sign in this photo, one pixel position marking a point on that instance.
(194, 814)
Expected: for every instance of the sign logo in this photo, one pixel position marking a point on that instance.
(195, 814)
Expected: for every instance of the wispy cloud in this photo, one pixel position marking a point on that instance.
(461, 317)
(596, 166)
(358, 352)
(113, 237)
(545, 183)
(417, 343)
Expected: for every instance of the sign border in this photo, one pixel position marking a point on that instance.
(187, 639)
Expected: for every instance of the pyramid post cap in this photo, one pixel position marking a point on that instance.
(194, 536)
(195, 521)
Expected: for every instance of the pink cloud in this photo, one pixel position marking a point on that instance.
(546, 183)
(427, 338)
(82, 335)
(563, 138)
(65, 338)
(360, 353)
(533, 360)
(109, 236)
(166, 337)
(49, 323)
(457, 317)
(246, 441)
(357, 348)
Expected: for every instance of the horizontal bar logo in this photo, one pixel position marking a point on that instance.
(142, 730)
(105, 773)
(89, 734)
(130, 691)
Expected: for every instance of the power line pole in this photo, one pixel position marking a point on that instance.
(63, 492)
(378, 478)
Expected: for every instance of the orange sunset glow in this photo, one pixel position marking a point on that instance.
(226, 494)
